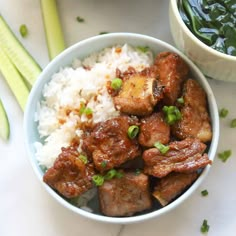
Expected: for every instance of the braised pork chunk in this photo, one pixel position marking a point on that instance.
(169, 187)
(110, 145)
(125, 196)
(154, 129)
(195, 121)
(138, 95)
(70, 176)
(183, 156)
(172, 72)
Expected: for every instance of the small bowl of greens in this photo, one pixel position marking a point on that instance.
(205, 32)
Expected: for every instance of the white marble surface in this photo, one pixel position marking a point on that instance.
(27, 210)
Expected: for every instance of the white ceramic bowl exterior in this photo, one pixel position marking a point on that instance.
(212, 63)
(81, 50)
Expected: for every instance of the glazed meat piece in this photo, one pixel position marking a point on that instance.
(110, 145)
(172, 72)
(183, 156)
(138, 95)
(69, 175)
(125, 196)
(152, 129)
(195, 121)
(172, 185)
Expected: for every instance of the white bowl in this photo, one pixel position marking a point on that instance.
(81, 50)
(211, 62)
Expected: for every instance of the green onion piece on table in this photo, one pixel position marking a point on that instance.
(205, 227)
(161, 147)
(52, 25)
(233, 123)
(204, 193)
(133, 131)
(23, 31)
(80, 19)
(224, 156)
(116, 83)
(223, 112)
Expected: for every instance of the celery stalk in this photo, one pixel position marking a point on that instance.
(54, 35)
(17, 54)
(4, 123)
(14, 79)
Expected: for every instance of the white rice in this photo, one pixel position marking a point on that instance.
(74, 85)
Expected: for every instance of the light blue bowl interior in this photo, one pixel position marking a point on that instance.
(81, 50)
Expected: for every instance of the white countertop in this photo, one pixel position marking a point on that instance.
(27, 209)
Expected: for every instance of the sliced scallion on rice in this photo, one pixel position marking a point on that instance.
(116, 83)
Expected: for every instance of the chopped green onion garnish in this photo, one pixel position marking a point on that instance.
(80, 19)
(204, 193)
(180, 100)
(172, 114)
(205, 227)
(119, 174)
(143, 49)
(223, 112)
(224, 155)
(104, 32)
(233, 123)
(98, 180)
(161, 147)
(110, 174)
(83, 158)
(133, 131)
(23, 31)
(103, 164)
(88, 111)
(137, 172)
(116, 83)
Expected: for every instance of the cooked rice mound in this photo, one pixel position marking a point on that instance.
(58, 116)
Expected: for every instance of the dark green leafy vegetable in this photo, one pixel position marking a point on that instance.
(213, 22)
(205, 227)
(23, 31)
(223, 156)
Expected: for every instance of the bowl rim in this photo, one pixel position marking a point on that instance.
(131, 219)
(174, 6)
